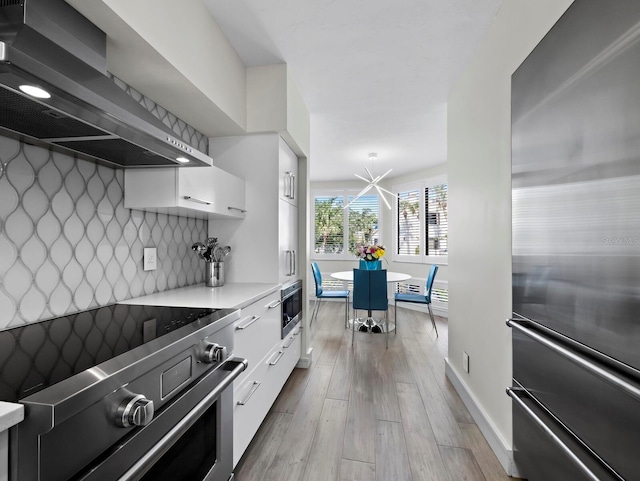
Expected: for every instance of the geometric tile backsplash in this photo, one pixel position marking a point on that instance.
(67, 243)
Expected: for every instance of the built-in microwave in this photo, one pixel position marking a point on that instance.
(291, 302)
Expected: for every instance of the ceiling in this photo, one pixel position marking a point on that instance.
(375, 74)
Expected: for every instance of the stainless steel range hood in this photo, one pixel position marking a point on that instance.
(46, 43)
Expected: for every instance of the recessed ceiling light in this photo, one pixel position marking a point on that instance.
(35, 91)
(184, 160)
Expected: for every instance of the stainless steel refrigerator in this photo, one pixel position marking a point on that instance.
(576, 248)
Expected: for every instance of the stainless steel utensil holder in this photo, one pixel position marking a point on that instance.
(214, 274)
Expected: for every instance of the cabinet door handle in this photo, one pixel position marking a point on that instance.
(277, 359)
(254, 388)
(293, 258)
(237, 208)
(197, 201)
(274, 304)
(289, 256)
(292, 262)
(292, 186)
(287, 184)
(244, 326)
(288, 343)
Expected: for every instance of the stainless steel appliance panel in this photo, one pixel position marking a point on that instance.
(291, 307)
(576, 178)
(546, 451)
(602, 415)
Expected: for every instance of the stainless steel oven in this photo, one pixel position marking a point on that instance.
(291, 302)
(123, 393)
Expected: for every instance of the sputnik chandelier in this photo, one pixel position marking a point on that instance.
(373, 183)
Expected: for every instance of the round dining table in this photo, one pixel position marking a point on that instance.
(370, 323)
(391, 276)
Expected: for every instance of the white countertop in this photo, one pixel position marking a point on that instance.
(234, 295)
(10, 414)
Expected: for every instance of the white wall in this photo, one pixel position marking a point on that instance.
(479, 174)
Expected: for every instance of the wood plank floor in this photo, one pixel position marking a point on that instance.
(364, 413)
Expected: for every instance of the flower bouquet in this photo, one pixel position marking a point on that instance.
(370, 256)
(369, 253)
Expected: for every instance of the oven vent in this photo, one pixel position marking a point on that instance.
(7, 3)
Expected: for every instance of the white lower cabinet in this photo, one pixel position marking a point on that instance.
(254, 396)
(257, 332)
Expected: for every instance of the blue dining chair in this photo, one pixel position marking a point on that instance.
(418, 298)
(370, 294)
(322, 294)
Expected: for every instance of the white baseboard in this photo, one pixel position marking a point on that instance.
(503, 452)
(305, 361)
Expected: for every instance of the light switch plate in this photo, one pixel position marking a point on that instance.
(465, 361)
(149, 259)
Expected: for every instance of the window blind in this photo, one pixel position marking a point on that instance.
(363, 221)
(408, 224)
(436, 220)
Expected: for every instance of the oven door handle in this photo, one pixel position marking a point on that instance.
(159, 449)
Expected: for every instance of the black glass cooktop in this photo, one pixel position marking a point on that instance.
(35, 356)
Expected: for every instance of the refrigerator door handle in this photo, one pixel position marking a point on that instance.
(553, 436)
(593, 368)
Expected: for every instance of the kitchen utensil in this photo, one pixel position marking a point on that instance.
(199, 248)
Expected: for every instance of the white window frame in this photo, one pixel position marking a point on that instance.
(422, 258)
(344, 193)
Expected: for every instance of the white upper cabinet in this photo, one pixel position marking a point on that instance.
(288, 178)
(201, 192)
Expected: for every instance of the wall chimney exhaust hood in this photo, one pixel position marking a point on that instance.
(49, 45)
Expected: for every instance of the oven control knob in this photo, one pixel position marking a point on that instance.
(213, 353)
(135, 411)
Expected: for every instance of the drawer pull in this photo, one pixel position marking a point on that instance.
(277, 359)
(556, 440)
(242, 327)
(274, 304)
(297, 332)
(197, 201)
(597, 370)
(254, 388)
(289, 343)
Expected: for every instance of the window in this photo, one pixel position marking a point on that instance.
(421, 222)
(337, 231)
(329, 225)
